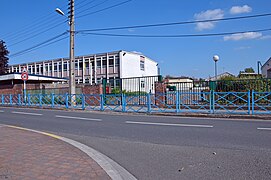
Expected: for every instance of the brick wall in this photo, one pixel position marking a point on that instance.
(160, 89)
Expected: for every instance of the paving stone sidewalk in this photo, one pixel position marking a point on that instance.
(27, 155)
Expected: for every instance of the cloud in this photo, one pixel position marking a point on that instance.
(240, 9)
(209, 14)
(265, 37)
(243, 48)
(243, 36)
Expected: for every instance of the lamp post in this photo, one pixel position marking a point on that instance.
(72, 32)
(215, 58)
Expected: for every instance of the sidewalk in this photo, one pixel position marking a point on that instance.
(27, 155)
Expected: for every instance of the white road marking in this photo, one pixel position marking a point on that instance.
(166, 124)
(1, 111)
(264, 129)
(80, 118)
(26, 113)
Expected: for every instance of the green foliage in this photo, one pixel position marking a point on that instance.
(3, 57)
(249, 70)
(228, 78)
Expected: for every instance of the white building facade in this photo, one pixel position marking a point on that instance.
(91, 69)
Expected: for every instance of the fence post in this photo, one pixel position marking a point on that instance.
(53, 100)
(10, 99)
(149, 102)
(123, 102)
(3, 99)
(253, 102)
(29, 100)
(83, 102)
(102, 102)
(212, 98)
(177, 101)
(19, 100)
(40, 100)
(248, 101)
(67, 100)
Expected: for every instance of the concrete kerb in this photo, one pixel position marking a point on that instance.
(113, 169)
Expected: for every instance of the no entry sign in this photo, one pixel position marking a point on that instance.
(24, 76)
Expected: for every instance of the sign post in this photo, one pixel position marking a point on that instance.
(24, 77)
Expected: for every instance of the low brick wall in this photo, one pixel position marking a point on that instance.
(160, 89)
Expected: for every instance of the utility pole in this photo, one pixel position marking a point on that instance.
(72, 58)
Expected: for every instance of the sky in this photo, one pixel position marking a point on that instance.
(31, 22)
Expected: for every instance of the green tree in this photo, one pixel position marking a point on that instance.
(3, 58)
(249, 70)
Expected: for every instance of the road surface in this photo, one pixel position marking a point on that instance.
(160, 147)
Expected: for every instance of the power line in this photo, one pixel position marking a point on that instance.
(104, 9)
(84, 5)
(35, 28)
(82, 11)
(38, 45)
(45, 45)
(37, 34)
(174, 36)
(177, 23)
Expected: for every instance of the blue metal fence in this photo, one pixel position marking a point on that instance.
(170, 102)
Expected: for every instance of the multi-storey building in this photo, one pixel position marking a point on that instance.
(93, 68)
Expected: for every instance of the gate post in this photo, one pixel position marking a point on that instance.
(67, 100)
(123, 102)
(212, 102)
(40, 100)
(248, 101)
(177, 101)
(149, 102)
(53, 100)
(253, 102)
(10, 99)
(19, 100)
(102, 102)
(83, 102)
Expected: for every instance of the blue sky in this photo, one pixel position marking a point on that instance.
(192, 57)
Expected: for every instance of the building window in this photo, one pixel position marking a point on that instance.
(87, 81)
(142, 84)
(98, 64)
(55, 67)
(104, 63)
(65, 66)
(117, 61)
(142, 63)
(80, 65)
(111, 62)
(86, 65)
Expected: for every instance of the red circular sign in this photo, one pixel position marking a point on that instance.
(24, 76)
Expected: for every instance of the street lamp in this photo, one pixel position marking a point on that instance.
(215, 58)
(72, 32)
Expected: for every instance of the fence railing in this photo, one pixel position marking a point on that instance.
(211, 102)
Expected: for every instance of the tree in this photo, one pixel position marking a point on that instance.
(3, 57)
(249, 70)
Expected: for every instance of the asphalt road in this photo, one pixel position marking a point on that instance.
(160, 147)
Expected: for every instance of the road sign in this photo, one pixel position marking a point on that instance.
(24, 76)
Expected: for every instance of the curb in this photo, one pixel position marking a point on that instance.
(113, 169)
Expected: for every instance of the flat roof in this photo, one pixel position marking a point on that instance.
(78, 57)
(31, 77)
